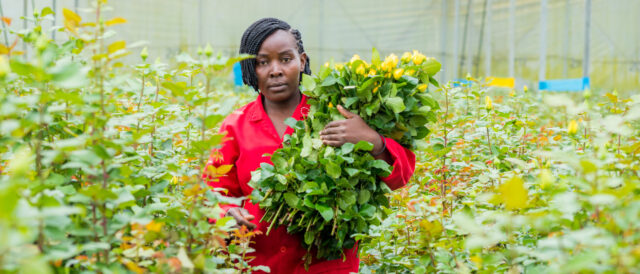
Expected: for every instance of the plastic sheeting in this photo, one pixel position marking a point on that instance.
(337, 29)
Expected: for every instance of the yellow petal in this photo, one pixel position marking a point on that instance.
(513, 194)
(398, 73)
(573, 127)
(116, 20)
(488, 104)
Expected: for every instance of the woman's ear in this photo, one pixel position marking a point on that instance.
(303, 61)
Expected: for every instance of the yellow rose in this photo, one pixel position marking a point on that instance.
(525, 89)
(406, 57)
(360, 70)
(418, 57)
(410, 72)
(487, 103)
(390, 62)
(398, 73)
(354, 58)
(339, 66)
(422, 87)
(372, 72)
(330, 105)
(573, 127)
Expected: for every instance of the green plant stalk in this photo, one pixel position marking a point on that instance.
(204, 114)
(153, 119)
(273, 220)
(189, 234)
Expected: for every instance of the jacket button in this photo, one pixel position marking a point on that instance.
(283, 249)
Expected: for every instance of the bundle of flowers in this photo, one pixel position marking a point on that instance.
(326, 193)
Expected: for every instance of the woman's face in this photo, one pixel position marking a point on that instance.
(278, 66)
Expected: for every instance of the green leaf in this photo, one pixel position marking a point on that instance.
(363, 145)
(308, 84)
(309, 236)
(333, 170)
(396, 104)
(46, 11)
(375, 57)
(431, 66)
(367, 211)
(307, 146)
(212, 120)
(329, 81)
(348, 197)
(291, 199)
(325, 211)
(347, 148)
(348, 101)
(352, 171)
(364, 196)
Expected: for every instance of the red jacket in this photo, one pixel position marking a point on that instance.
(251, 135)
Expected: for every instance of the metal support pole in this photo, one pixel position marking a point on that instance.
(75, 6)
(443, 37)
(565, 40)
(55, 10)
(320, 31)
(456, 35)
(487, 47)
(4, 27)
(464, 40)
(200, 8)
(481, 38)
(24, 26)
(543, 41)
(512, 37)
(587, 37)
(467, 35)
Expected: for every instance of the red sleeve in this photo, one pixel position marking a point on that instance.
(404, 163)
(227, 154)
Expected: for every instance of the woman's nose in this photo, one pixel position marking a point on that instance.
(276, 70)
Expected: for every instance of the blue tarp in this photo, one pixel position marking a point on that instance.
(237, 74)
(577, 84)
(460, 82)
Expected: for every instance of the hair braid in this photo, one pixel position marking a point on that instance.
(252, 39)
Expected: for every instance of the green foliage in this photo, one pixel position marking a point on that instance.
(326, 194)
(537, 183)
(101, 162)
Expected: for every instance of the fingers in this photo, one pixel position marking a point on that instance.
(333, 143)
(242, 217)
(345, 112)
(332, 131)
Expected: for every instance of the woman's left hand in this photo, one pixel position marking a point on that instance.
(351, 130)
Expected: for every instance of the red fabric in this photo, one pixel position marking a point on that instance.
(251, 135)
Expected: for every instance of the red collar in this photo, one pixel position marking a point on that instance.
(257, 112)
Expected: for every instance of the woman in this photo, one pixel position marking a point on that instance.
(257, 129)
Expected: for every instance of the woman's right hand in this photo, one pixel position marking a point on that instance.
(242, 217)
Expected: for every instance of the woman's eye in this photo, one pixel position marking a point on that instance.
(262, 62)
(286, 59)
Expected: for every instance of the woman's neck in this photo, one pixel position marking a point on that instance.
(284, 108)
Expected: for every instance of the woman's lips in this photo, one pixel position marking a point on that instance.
(278, 87)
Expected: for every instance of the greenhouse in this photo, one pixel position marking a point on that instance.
(326, 136)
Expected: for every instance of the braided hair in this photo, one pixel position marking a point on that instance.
(252, 40)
